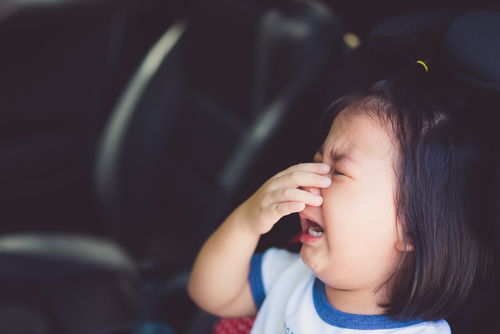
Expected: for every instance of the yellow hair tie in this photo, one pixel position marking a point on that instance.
(423, 64)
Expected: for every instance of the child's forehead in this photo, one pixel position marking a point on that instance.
(357, 137)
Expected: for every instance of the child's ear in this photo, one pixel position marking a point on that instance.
(401, 245)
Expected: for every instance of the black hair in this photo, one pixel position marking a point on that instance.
(447, 184)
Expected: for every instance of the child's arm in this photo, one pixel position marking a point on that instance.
(219, 279)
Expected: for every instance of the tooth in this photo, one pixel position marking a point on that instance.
(314, 233)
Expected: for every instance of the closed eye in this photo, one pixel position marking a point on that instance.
(317, 158)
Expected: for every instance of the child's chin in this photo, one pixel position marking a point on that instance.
(310, 258)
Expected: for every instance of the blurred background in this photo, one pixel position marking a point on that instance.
(130, 128)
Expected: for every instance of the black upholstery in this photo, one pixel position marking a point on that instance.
(50, 93)
(65, 283)
(63, 62)
(185, 136)
(172, 156)
(61, 256)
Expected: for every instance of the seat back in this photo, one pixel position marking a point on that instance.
(207, 101)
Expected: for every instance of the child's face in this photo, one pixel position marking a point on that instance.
(359, 246)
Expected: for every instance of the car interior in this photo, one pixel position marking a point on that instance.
(131, 128)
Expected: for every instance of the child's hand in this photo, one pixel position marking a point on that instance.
(281, 195)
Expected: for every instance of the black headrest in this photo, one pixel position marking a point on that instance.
(464, 44)
(457, 47)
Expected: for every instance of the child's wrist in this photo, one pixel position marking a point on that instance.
(241, 220)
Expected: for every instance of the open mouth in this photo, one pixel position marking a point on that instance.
(312, 228)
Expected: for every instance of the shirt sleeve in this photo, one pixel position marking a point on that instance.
(265, 268)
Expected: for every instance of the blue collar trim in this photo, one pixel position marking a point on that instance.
(332, 316)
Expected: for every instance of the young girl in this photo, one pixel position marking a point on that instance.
(388, 214)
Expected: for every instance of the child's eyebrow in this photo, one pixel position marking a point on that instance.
(339, 156)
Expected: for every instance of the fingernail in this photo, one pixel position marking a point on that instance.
(318, 199)
(324, 167)
(326, 181)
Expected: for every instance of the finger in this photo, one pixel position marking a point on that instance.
(286, 208)
(296, 195)
(300, 179)
(313, 167)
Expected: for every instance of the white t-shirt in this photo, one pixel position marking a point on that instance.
(292, 300)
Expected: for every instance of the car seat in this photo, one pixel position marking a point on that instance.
(194, 127)
(60, 75)
(187, 124)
